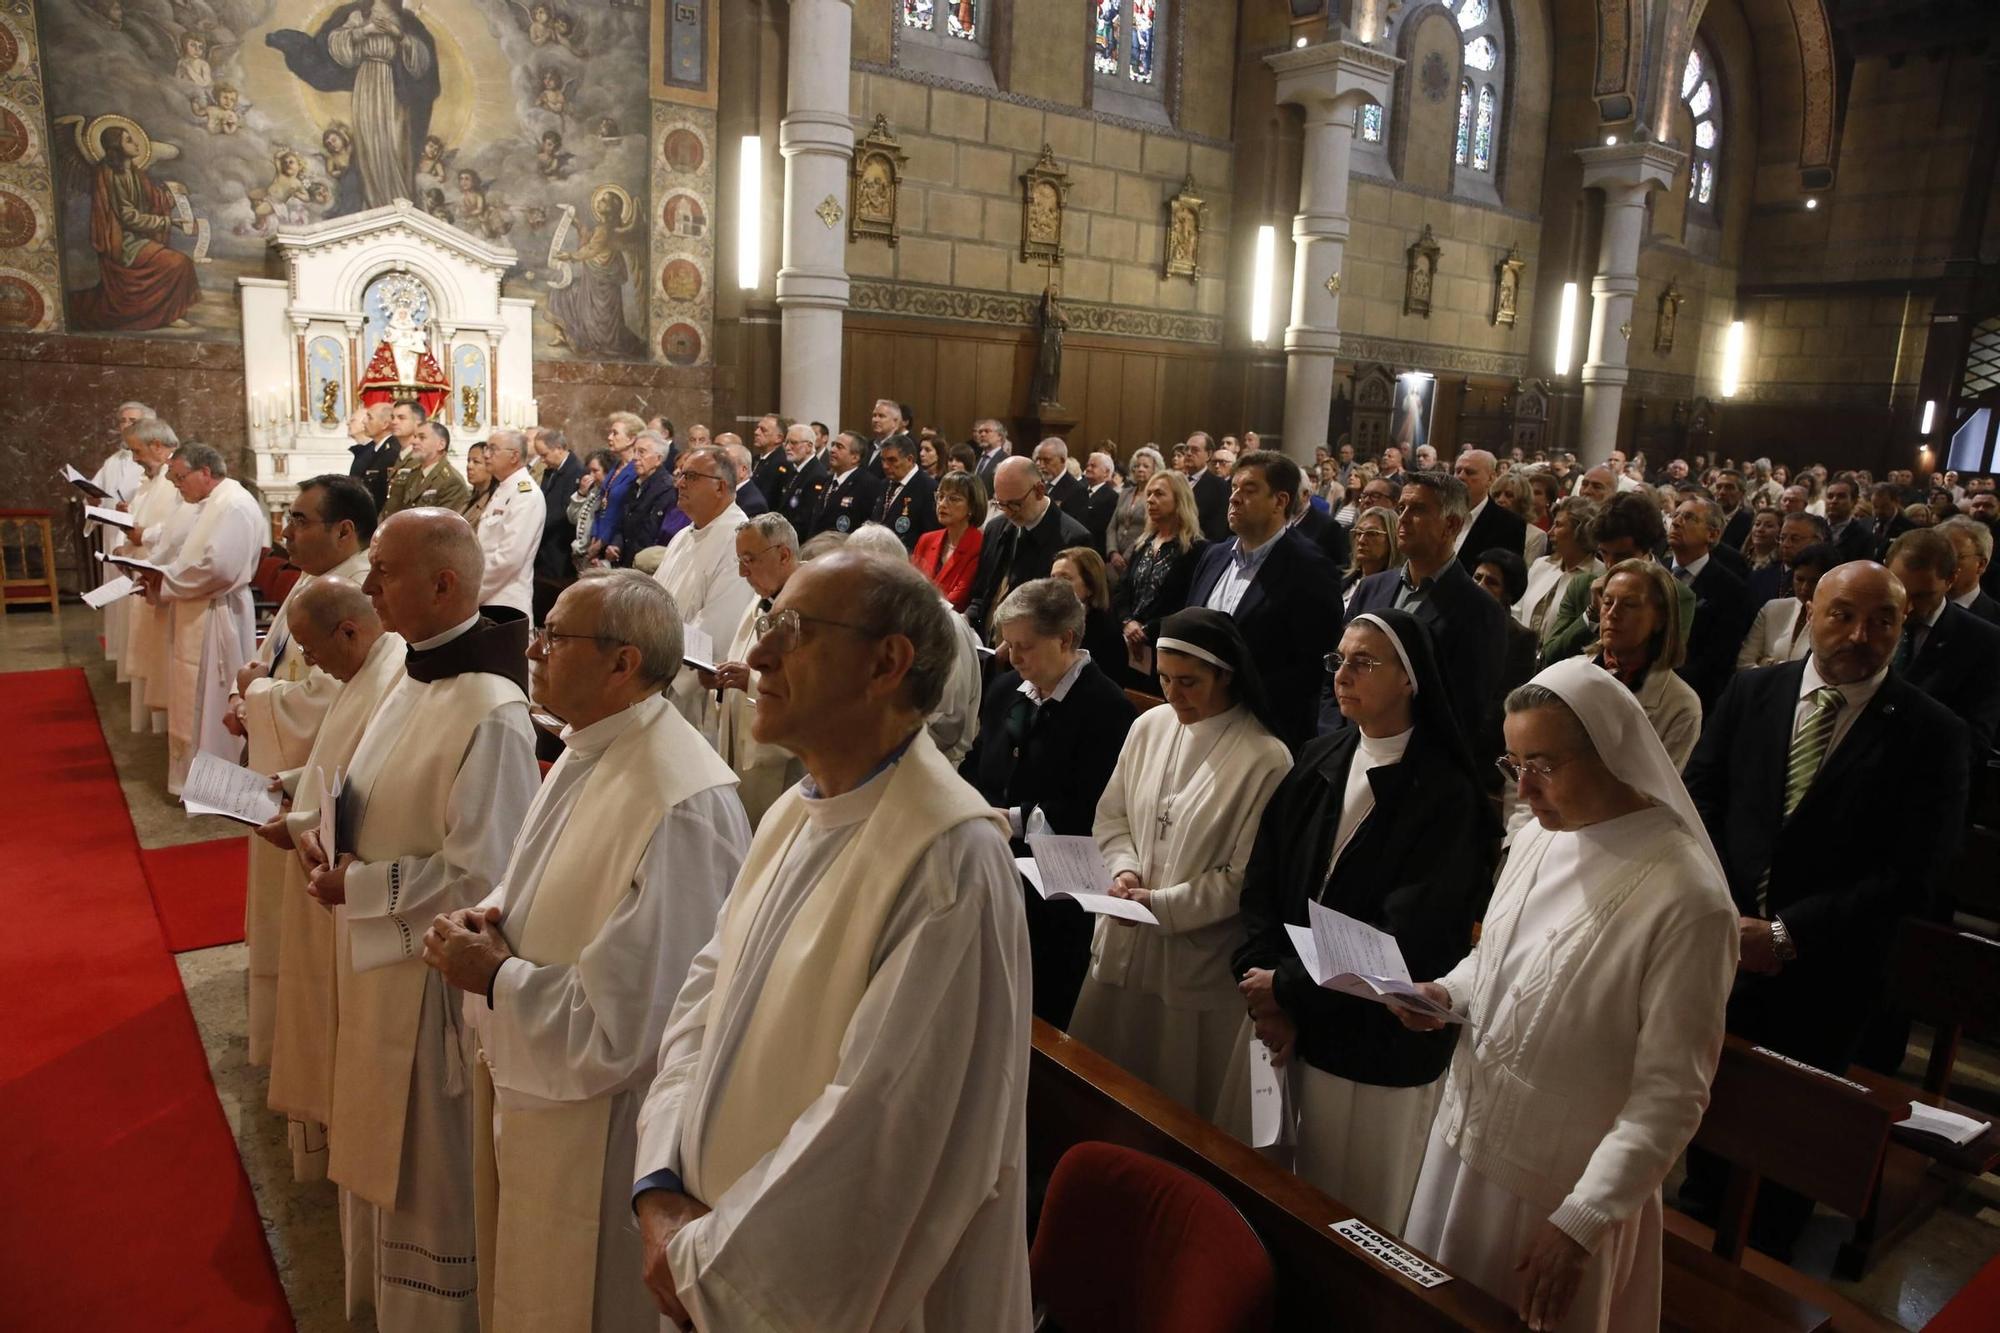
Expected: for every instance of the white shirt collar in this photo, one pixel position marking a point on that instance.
(1471, 517)
(1857, 695)
(840, 477)
(1936, 615)
(1969, 598)
(1061, 691)
(1694, 569)
(440, 640)
(593, 740)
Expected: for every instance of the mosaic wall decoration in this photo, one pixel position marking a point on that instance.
(30, 281)
(681, 294)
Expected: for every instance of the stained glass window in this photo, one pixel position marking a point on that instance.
(1482, 131)
(962, 19)
(1698, 91)
(918, 14)
(1464, 143)
(1482, 53)
(1104, 37)
(1471, 13)
(1371, 122)
(1140, 66)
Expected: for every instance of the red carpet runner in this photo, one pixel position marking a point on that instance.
(126, 1206)
(198, 892)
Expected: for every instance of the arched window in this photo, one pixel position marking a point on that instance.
(1127, 56)
(1704, 104)
(1370, 122)
(952, 38)
(1477, 145)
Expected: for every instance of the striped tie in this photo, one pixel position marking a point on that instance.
(1808, 753)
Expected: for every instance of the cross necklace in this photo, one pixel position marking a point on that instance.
(1165, 819)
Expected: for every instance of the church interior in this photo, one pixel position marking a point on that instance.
(1685, 244)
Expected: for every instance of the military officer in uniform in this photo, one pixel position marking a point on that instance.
(908, 506)
(510, 531)
(850, 500)
(810, 479)
(429, 479)
(773, 469)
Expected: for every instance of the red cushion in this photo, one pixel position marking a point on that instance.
(1976, 1308)
(1130, 1244)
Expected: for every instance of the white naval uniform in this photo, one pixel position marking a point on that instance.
(509, 532)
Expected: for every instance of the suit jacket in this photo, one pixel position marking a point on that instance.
(1736, 530)
(1985, 607)
(913, 509)
(1884, 536)
(873, 463)
(1317, 526)
(847, 504)
(646, 508)
(1073, 497)
(1722, 616)
(1495, 527)
(1732, 560)
(1211, 504)
(954, 578)
(1959, 666)
(1858, 852)
(988, 464)
(803, 496)
(373, 462)
(1012, 556)
(771, 474)
(1857, 540)
(552, 561)
(750, 499)
(1100, 504)
(1468, 629)
(1290, 617)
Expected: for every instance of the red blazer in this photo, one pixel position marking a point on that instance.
(955, 579)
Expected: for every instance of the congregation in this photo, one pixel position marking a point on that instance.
(644, 931)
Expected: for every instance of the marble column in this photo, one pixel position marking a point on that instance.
(817, 141)
(1626, 173)
(1330, 81)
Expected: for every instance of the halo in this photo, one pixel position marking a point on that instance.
(624, 200)
(90, 139)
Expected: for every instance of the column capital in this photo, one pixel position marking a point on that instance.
(1334, 75)
(1637, 167)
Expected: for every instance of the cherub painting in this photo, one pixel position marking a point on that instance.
(283, 202)
(223, 114)
(551, 160)
(435, 159)
(192, 46)
(538, 21)
(478, 212)
(336, 157)
(569, 34)
(556, 95)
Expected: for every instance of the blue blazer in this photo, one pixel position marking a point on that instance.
(1290, 616)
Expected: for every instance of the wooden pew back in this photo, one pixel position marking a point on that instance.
(1948, 980)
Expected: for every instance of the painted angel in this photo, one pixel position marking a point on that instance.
(283, 203)
(222, 113)
(556, 95)
(589, 314)
(436, 159)
(192, 47)
(569, 31)
(550, 159)
(538, 21)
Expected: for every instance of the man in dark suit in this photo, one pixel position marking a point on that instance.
(1487, 524)
(1722, 607)
(991, 437)
(889, 419)
(1972, 543)
(1466, 625)
(1736, 516)
(375, 450)
(1795, 759)
(1852, 535)
(554, 570)
(1317, 526)
(1100, 500)
(748, 497)
(1281, 592)
(1211, 493)
(1052, 461)
(1022, 543)
(908, 506)
(854, 491)
(807, 489)
(651, 499)
(1887, 499)
(1946, 651)
(771, 469)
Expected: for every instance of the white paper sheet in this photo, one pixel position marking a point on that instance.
(83, 483)
(329, 831)
(102, 514)
(104, 594)
(1955, 1129)
(697, 648)
(1070, 866)
(1352, 957)
(217, 787)
(134, 562)
(1267, 1097)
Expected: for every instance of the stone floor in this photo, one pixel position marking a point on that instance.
(1907, 1286)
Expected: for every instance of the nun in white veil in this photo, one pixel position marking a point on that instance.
(1596, 995)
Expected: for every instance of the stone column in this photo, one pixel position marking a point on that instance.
(817, 141)
(1330, 81)
(1626, 173)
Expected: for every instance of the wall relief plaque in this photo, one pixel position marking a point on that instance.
(1044, 195)
(1422, 277)
(874, 184)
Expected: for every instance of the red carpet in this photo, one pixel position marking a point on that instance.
(126, 1206)
(198, 892)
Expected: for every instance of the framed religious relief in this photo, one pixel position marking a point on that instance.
(1422, 275)
(1044, 195)
(1184, 218)
(1507, 287)
(874, 183)
(1670, 316)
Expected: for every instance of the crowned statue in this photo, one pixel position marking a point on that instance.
(402, 365)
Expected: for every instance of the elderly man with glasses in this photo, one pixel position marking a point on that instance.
(700, 571)
(1021, 544)
(839, 1123)
(511, 528)
(767, 555)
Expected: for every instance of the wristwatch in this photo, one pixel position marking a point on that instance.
(1781, 941)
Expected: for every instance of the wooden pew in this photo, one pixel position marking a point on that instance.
(1972, 882)
(1075, 1094)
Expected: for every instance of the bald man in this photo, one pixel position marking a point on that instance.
(1488, 526)
(336, 630)
(440, 782)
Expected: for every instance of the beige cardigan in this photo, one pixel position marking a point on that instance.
(1587, 1073)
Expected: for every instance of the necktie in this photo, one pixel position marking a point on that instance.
(1906, 651)
(1682, 573)
(1808, 753)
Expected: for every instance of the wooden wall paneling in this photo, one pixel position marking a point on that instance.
(1140, 418)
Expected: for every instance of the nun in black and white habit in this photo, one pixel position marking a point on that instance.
(1385, 820)
(1175, 826)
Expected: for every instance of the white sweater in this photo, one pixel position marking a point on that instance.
(1588, 1071)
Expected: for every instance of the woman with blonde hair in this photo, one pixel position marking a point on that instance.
(1128, 520)
(1512, 492)
(1639, 641)
(1372, 548)
(1572, 552)
(1083, 569)
(1160, 571)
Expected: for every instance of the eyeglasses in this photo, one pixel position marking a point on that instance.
(1011, 505)
(1539, 769)
(751, 558)
(542, 637)
(1363, 665)
(782, 629)
(683, 478)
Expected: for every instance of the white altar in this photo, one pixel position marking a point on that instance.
(394, 275)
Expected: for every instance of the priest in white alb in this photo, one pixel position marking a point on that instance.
(511, 528)
(570, 967)
(158, 525)
(277, 704)
(437, 789)
(119, 477)
(213, 626)
(767, 551)
(336, 628)
(838, 1133)
(699, 569)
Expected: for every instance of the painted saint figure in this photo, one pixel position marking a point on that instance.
(142, 282)
(589, 314)
(387, 59)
